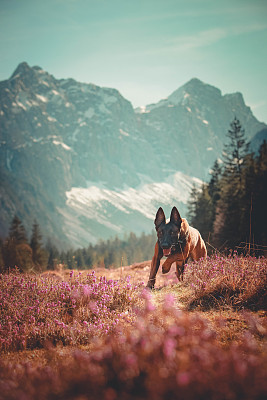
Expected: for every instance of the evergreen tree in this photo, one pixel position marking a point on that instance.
(192, 204)
(228, 227)
(80, 259)
(201, 212)
(17, 231)
(39, 255)
(16, 250)
(214, 188)
(235, 151)
(214, 183)
(246, 204)
(23, 257)
(53, 254)
(1, 256)
(259, 200)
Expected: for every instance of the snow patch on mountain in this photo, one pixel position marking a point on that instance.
(42, 98)
(122, 132)
(89, 113)
(99, 204)
(141, 199)
(58, 143)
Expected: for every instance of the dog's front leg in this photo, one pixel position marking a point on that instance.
(180, 270)
(158, 254)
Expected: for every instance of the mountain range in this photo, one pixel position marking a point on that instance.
(85, 164)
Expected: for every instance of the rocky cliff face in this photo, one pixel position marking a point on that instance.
(85, 164)
(191, 125)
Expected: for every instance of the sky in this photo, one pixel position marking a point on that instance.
(144, 48)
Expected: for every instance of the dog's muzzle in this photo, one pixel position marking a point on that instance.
(167, 252)
(173, 249)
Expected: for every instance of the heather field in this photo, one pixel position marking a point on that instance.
(101, 335)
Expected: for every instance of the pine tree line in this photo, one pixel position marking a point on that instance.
(111, 253)
(16, 251)
(231, 209)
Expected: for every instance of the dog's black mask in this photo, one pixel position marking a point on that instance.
(169, 234)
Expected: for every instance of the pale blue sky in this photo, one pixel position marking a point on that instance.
(144, 48)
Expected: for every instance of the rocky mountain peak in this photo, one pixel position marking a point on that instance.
(25, 78)
(194, 91)
(22, 69)
(77, 158)
(194, 88)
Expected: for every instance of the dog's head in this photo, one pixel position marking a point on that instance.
(168, 234)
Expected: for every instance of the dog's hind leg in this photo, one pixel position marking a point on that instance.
(154, 266)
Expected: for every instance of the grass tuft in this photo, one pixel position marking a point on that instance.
(237, 282)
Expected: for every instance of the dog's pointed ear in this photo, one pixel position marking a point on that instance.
(175, 217)
(160, 218)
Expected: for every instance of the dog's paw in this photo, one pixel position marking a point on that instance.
(149, 287)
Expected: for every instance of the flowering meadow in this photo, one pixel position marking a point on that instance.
(107, 337)
(239, 282)
(36, 310)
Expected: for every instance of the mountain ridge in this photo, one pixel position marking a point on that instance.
(59, 136)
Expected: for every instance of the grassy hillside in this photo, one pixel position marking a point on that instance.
(100, 334)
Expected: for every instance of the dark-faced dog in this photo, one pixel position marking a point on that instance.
(177, 241)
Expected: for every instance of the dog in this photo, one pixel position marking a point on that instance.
(177, 241)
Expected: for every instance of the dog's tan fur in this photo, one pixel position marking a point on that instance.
(195, 248)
